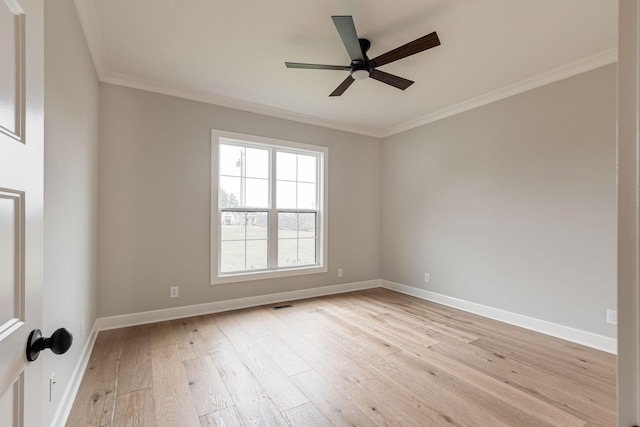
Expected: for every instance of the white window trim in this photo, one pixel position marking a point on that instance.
(322, 267)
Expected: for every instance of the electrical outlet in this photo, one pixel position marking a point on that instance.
(340, 272)
(174, 292)
(427, 277)
(612, 317)
(52, 386)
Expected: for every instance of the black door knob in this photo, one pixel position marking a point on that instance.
(59, 342)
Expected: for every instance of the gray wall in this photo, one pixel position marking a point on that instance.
(70, 192)
(511, 205)
(154, 198)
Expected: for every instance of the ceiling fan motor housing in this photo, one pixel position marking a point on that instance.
(359, 69)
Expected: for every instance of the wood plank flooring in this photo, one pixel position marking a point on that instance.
(368, 358)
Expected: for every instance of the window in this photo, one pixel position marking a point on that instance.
(268, 204)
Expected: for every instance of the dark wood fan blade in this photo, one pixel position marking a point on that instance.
(411, 48)
(316, 66)
(343, 86)
(347, 30)
(390, 79)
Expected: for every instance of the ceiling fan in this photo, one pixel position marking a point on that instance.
(361, 66)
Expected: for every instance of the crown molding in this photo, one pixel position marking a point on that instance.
(208, 98)
(581, 66)
(599, 60)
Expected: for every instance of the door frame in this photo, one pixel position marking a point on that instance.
(628, 146)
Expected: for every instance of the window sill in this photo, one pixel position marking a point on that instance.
(265, 275)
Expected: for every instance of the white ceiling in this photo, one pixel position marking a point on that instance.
(232, 53)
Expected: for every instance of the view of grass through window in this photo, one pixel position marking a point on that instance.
(268, 200)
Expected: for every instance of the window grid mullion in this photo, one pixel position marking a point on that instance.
(320, 210)
(273, 213)
(244, 221)
(243, 178)
(297, 238)
(297, 184)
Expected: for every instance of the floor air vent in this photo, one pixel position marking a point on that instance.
(278, 307)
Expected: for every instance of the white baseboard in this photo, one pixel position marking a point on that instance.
(69, 395)
(589, 339)
(113, 322)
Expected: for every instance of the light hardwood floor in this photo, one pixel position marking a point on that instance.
(369, 358)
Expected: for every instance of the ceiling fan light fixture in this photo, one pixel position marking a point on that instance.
(360, 74)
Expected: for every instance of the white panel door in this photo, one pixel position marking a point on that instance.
(21, 199)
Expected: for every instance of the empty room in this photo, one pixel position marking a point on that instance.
(320, 213)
